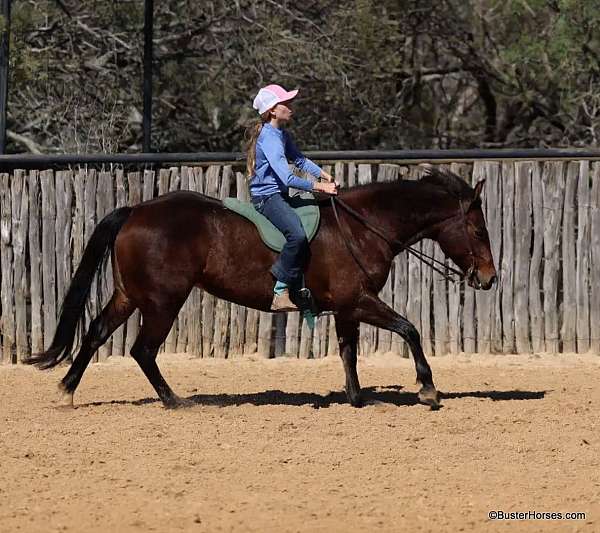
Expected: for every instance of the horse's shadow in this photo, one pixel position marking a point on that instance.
(390, 394)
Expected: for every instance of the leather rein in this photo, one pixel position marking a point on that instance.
(430, 261)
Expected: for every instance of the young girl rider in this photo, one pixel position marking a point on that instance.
(269, 147)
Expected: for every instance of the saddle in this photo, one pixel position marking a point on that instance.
(304, 204)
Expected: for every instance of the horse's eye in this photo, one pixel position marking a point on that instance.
(480, 233)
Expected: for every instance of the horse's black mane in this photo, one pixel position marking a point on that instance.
(437, 177)
(450, 182)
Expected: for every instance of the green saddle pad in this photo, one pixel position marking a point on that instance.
(304, 204)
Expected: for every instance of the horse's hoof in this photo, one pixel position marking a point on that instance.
(66, 400)
(177, 403)
(356, 401)
(430, 396)
(354, 395)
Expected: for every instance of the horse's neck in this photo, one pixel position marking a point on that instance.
(406, 211)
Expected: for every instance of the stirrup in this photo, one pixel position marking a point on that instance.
(305, 301)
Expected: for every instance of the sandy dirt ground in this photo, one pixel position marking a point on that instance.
(272, 446)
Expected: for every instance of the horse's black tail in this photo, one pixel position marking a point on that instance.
(72, 311)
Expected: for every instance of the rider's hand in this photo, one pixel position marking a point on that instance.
(326, 176)
(328, 188)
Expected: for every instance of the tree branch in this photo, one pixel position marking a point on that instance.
(30, 144)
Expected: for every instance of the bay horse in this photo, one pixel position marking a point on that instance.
(161, 248)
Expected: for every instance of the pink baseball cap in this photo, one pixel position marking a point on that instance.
(270, 96)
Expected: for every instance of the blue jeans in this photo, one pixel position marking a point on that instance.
(290, 264)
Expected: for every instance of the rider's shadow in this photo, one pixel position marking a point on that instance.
(390, 394)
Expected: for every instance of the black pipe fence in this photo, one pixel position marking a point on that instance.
(30, 161)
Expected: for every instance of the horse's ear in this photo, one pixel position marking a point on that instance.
(478, 189)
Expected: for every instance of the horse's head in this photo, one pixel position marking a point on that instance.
(464, 237)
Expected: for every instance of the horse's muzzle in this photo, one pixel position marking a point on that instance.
(480, 280)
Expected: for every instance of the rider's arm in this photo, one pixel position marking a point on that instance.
(300, 160)
(274, 152)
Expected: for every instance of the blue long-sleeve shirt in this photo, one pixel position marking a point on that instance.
(272, 174)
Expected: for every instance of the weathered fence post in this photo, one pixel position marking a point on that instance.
(35, 262)
(507, 266)
(595, 259)
(553, 187)
(6, 256)
(535, 264)
(20, 221)
(569, 304)
(583, 258)
(522, 222)
(49, 255)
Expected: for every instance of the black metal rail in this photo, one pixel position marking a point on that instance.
(29, 161)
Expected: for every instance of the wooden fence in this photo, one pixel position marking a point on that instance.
(544, 225)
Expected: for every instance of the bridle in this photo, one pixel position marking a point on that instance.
(470, 275)
(430, 261)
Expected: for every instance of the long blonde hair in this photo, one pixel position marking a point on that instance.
(251, 136)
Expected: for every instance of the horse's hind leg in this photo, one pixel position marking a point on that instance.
(347, 333)
(116, 311)
(155, 328)
(372, 310)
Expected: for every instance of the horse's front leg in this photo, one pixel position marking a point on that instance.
(347, 333)
(372, 310)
